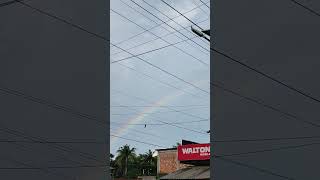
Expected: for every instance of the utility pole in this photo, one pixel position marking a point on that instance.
(202, 34)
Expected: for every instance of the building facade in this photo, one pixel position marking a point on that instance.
(167, 161)
(187, 161)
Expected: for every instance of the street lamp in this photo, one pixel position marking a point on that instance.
(201, 33)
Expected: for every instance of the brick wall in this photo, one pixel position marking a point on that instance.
(168, 162)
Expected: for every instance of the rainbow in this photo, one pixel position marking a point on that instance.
(122, 130)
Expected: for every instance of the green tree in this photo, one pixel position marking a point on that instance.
(176, 145)
(125, 154)
(148, 163)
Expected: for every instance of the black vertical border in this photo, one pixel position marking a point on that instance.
(211, 89)
(107, 14)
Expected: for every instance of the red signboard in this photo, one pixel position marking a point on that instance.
(192, 152)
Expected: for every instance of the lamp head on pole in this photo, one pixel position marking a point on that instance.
(199, 33)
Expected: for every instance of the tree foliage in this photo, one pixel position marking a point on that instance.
(128, 164)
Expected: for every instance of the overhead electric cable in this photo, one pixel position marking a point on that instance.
(160, 124)
(118, 43)
(131, 7)
(265, 139)
(261, 103)
(270, 150)
(205, 3)
(255, 168)
(167, 24)
(306, 7)
(62, 20)
(160, 112)
(165, 71)
(152, 40)
(142, 142)
(169, 18)
(160, 81)
(50, 104)
(153, 50)
(55, 146)
(308, 95)
(181, 14)
(180, 49)
(7, 3)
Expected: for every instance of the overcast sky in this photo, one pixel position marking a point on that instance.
(145, 89)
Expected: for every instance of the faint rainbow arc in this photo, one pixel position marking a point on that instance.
(122, 130)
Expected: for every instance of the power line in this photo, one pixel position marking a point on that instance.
(62, 20)
(78, 27)
(157, 23)
(167, 107)
(141, 135)
(8, 3)
(139, 12)
(53, 16)
(261, 103)
(165, 71)
(158, 124)
(121, 114)
(224, 159)
(265, 139)
(41, 169)
(172, 21)
(55, 146)
(118, 43)
(24, 148)
(251, 68)
(159, 106)
(194, 2)
(181, 14)
(52, 167)
(167, 24)
(306, 7)
(204, 3)
(157, 80)
(143, 132)
(264, 171)
(50, 104)
(38, 100)
(180, 127)
(142, 142)
(52, 142)
(153, 50)
(141, 44)
(269, 150)
(159, 37)
(267, 76)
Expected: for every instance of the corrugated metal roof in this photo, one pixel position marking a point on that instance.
(194, 172)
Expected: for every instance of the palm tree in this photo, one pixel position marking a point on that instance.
(148, 157)
(124, 154)
(147, 160)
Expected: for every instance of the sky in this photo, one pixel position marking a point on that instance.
(142, 94)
